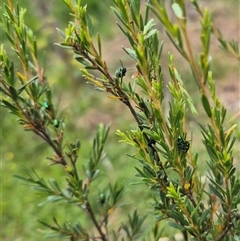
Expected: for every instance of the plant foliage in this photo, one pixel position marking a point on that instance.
(199, 210)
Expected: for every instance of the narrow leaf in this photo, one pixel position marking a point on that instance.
(61, 33)
(8, 10)
(99, 45)
(177, 10)
(13, 93)
(206, 106)
(131, 53)
(176, 225)
(25, 85)
(9, 106)
(216, 192)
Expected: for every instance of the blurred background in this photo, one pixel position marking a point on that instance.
(84, 108)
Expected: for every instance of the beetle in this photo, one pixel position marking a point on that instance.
(182, 144)
(121, 72)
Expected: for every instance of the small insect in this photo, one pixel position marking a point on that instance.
(121, 72)
(56, 123)
(151, 142)
(182, 145)
(102, 198)
(46, 105)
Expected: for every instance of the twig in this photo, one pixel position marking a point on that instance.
(91, 214)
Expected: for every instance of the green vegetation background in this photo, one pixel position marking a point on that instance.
(84, 109)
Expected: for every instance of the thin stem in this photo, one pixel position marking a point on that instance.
(185, 235)
(57, 150)
(224, 233)
(40, 131)
(91, 214)
(191, 58)
(193, 64)
(159, 106)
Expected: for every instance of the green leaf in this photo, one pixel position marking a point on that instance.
(135, 6)
(4, 92)
(9, 106)
(128, 35)
(204, 215)
(35, 48)
(82, 60)
(13, 93)
(150, 33)
(99, 89)
(99, 45)
(175, 43)
(9, 38)
(131, 53)
(64, 45)
(177, 10)
(116, 12)
(89, 23)
(25, 85)
(176, 225)
(148, 26)
(178, 216)
(216, 192)
(96, 174)
(51, 199)
(8, 10)
(61, 33)
(206, 106)
(135, 10)
(54, 185)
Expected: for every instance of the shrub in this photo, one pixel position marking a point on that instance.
(200, 206)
